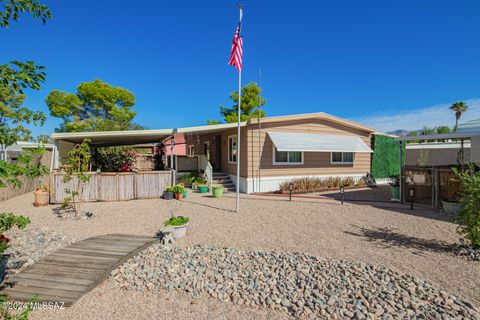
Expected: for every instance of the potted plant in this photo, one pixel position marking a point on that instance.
(394, 181)
(168, 194)
(41, 196)
(202, 188)
(179, 189)
(178, 223)
(217, 191)
(450, 201)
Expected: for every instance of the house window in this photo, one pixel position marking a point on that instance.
(191, 150)
(342, 157)
(287, 157)
(232, 149)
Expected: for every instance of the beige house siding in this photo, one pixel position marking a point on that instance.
(257, 147)
(230, 168)
(260, 149)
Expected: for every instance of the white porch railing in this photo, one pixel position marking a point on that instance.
(205, 166)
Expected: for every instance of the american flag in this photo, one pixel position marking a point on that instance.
(236, 53)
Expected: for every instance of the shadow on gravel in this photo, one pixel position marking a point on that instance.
(388, 238)
(208, 206)
(379, 197)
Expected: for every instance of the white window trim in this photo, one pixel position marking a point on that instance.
(191, 147)
(228, 147)
(341, 162)
(275, 163)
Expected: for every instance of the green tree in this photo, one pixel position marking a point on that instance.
(459, 108)
(443, 130)
(77, 167)
(96, 106)
(11, 10)
(250, 108)
(16, 76)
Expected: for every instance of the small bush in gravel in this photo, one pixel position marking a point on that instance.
(469, 215)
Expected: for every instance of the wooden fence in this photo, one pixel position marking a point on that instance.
(114, 186)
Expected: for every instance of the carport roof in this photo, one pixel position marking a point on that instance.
(115, 137)
(132, 137)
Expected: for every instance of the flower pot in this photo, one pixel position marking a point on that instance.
(179, 231)
(184, 195)
(217, 191)
(41, 197)
(179, 196)
(395, 191)
(168, 195)
(451, 207)
(202, 189)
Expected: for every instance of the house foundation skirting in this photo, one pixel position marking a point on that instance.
(270, 184)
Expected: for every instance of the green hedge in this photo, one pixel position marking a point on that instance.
(386, 156)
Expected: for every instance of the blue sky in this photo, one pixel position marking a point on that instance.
(380, 62)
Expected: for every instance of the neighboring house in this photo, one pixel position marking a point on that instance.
(273, 149)
(436, 153)
(472, 127)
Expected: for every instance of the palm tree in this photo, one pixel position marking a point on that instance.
(459, 108)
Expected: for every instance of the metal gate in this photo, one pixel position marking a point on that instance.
(421, 180)
(431, 185)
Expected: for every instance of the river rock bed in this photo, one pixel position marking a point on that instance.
(29, 245)
(299, 284)
(468, 252)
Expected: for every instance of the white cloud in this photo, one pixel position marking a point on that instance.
(438, 115)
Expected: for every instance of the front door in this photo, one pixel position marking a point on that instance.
(206, 149)
(217, 154)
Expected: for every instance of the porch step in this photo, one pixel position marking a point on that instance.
(223, 179)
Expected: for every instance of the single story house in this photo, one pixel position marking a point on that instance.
(272, 149)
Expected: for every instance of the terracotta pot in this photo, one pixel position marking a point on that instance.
(179, 196)
(41, 197)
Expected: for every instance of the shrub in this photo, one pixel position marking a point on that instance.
(469, 215)
(114, 159)
(316, 184)
(169, 189)
(192, 177)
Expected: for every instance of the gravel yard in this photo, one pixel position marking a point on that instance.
(418, 243)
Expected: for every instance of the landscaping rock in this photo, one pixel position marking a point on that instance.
(468, 252)
(28, 246)
(302, 285)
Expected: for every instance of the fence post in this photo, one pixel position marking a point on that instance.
(173, 178)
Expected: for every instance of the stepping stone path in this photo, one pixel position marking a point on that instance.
(67, 274)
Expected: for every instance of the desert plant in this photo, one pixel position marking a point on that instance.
(468, 217)
(77, 167)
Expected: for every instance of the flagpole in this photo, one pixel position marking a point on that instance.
(237, 200)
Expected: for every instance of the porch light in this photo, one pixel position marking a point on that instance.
(342, 193)
(290, 188)
(412, 196)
